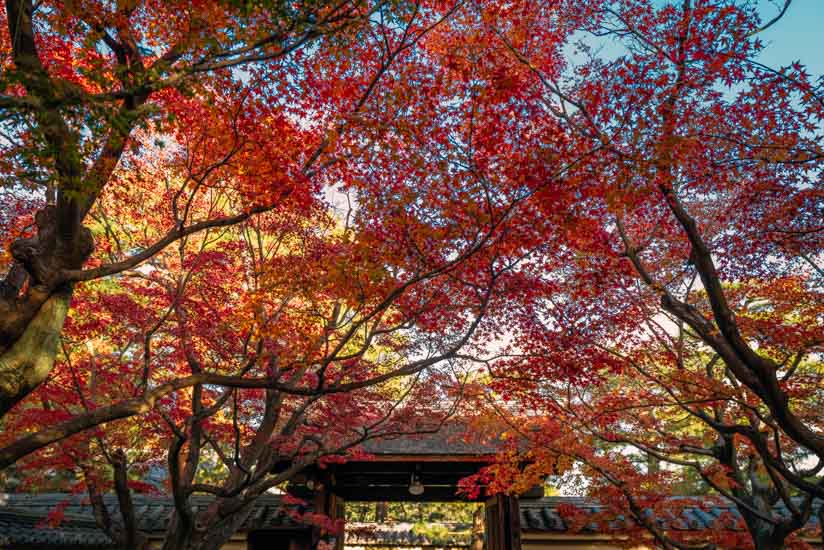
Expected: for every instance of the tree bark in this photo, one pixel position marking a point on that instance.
(29, 360)
(211, 534)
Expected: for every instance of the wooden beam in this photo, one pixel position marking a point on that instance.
(398, 494)
(487, 458)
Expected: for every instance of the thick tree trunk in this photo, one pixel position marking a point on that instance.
(29, 360)
(221, 533)
(211, 533)
(36, 299)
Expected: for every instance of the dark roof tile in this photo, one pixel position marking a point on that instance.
(452, 439)
(23, 517)
(696, 515)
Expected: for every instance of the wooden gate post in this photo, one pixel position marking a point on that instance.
(340, 513)
(331, 505)
(478, 529)
(503, 523)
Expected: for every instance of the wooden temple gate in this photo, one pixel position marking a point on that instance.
(419, 469)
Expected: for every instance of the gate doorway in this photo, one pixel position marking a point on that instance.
(416, 469)
(414, 525)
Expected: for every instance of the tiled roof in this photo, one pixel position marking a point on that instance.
(453, 439)
(696, 514)
(24, 517)
(19, 527)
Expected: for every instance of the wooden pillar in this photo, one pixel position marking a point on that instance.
(381, 511)
(328, 503)
(340, 513)
(503, 523)
(478, 529)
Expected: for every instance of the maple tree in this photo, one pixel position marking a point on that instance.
(316, 348)
(304, 318)
(697, 223)
(80, 79)
(661, 427)
(226, 319)
(278, 121)
(567, 223)
(692, 282)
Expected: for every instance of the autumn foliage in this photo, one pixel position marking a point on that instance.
(242, 238)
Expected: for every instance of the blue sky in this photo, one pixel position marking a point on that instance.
(799, 35)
